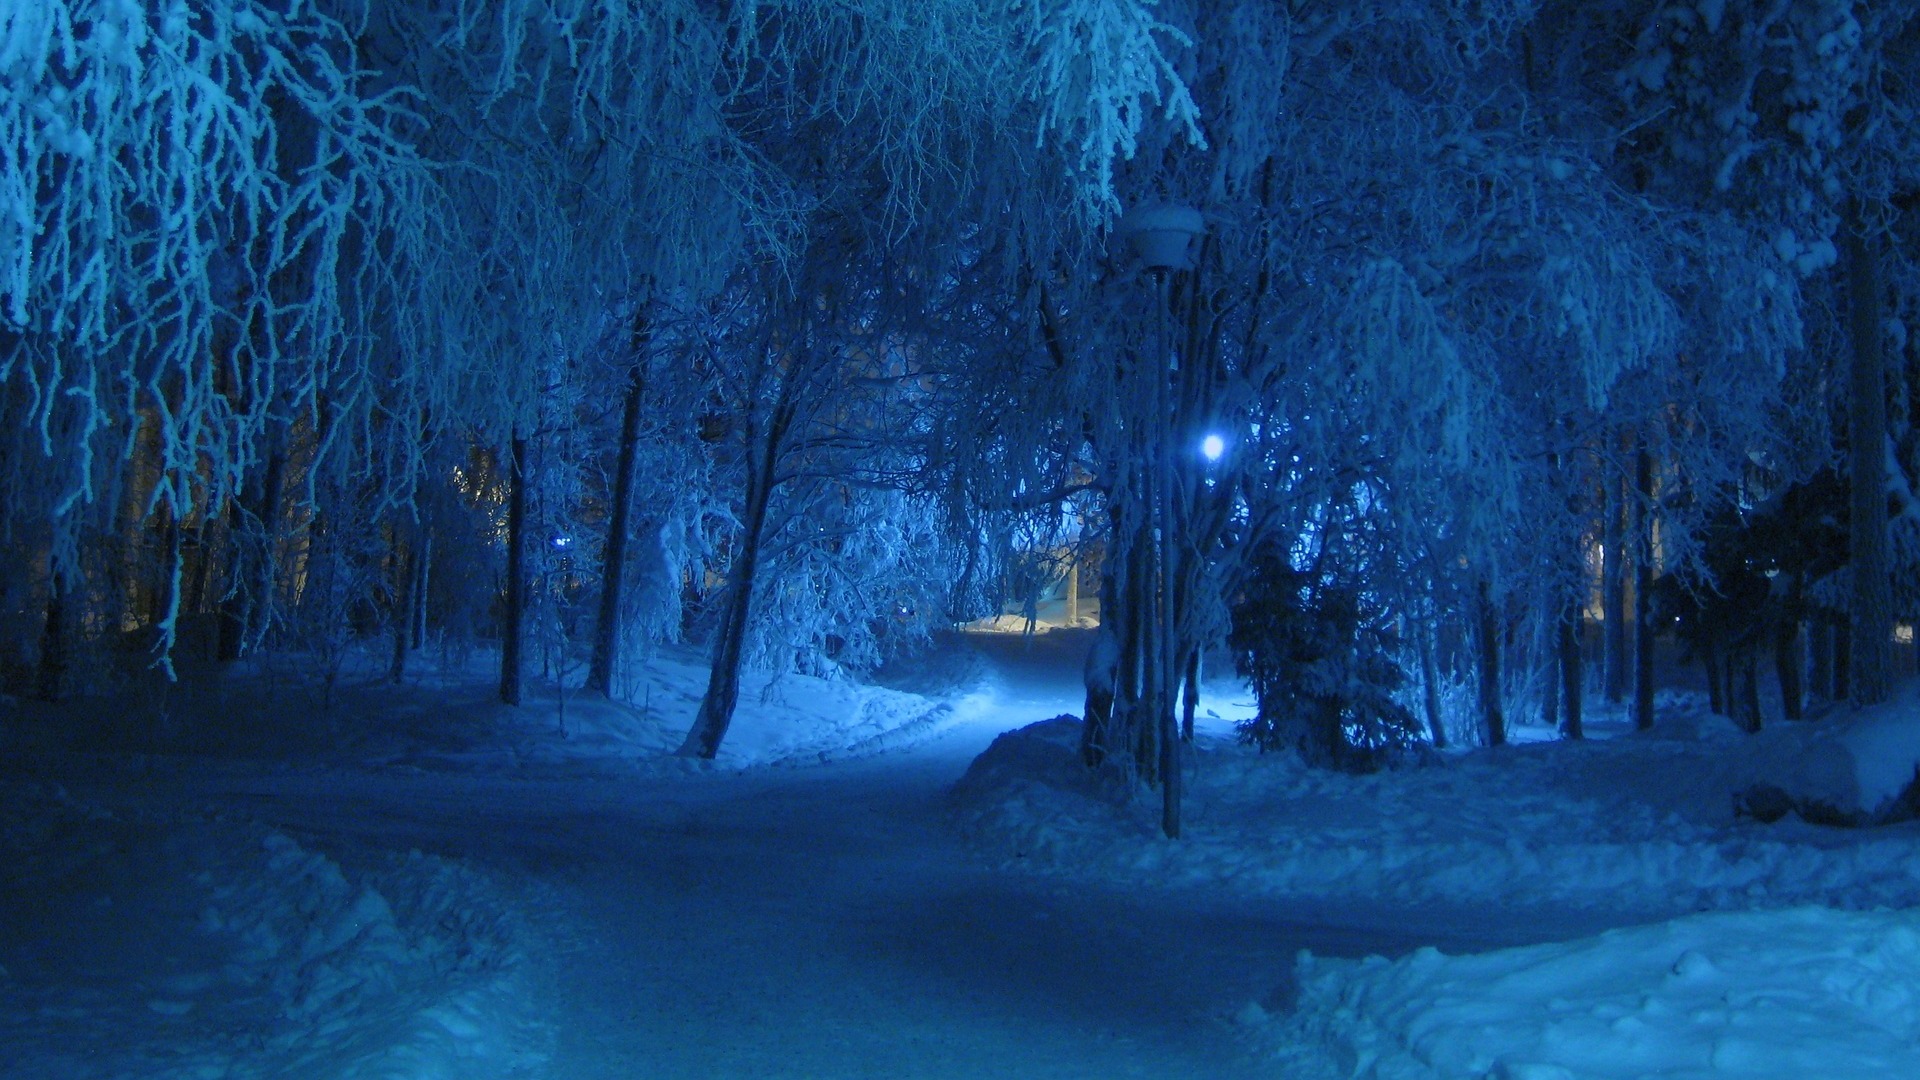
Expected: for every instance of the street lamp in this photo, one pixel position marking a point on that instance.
(1163, 235)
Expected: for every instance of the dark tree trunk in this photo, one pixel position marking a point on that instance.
(1643, 592)
(233, 607)
(1747, 694)
(1102, 671)
(1491, 711)
(422, 569)
(50, 677)
(1573, 723)
(195, 601)
(1787, 666)
(1430, 691)
(1842, 661)
(613, 570)
(1133, 708)
(1820, 656)
(404, 600)
(1716, 679)
(252, 527)
(1548, 657)
(513, 611)
(1871, 614)
(723, 679)
(1613, 591)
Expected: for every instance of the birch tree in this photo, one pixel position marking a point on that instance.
(201, 203)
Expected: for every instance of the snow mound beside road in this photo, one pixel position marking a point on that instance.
(1777, 995)
(1862, 769)
(144, 945)
(1640, 823)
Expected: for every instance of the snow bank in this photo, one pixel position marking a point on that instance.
(179, 946)
(1854, 770)
(1758, 995)
(1643, 824)
(448, 718)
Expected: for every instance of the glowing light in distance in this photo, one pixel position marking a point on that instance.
(1212, 447)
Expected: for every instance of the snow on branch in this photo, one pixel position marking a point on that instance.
(184, 183)
(1100, 69)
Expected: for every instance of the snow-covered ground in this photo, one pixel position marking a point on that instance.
(1640, 826)
(410, 881)
(1766, 995)
(163, 943)
(1803, 961)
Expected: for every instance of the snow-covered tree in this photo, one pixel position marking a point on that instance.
(206, 206)
(1801, 120)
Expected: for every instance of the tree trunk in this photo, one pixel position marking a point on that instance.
(195, 600)
(233, 606)
(403, 602)
(1871, 614)
(1430, 691)
(1573, 723)
(613, 569)
(1491, 712)
(50, 677)
(252, 524)
(1547, 656)
(422, 569)
(513, 614)
(1140, 720)
(1073, 592)
(1747, 694)
(1820, 656)
(1168, 660)
(723, 679)
(1716, 679)
(1643, 592)
(1787, 666)
(1613, 591)
(1102, 671)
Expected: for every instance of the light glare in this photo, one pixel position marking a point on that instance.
(1212, 447)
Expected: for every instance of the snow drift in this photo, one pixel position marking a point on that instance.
(1641, 824)
(403, 967)
(1760, 995)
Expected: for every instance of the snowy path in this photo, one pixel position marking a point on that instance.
(818, 920)
(822, 921)
(815, 921)
(585, 914)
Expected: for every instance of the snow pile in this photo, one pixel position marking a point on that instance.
(780, 718)
(446, 715)
(1759, 995)
(1639, 823)
(1856, 770)
(169, 945)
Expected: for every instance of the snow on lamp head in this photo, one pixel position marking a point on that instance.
(1162, 234)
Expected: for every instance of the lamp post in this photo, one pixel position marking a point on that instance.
(1163, 234)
